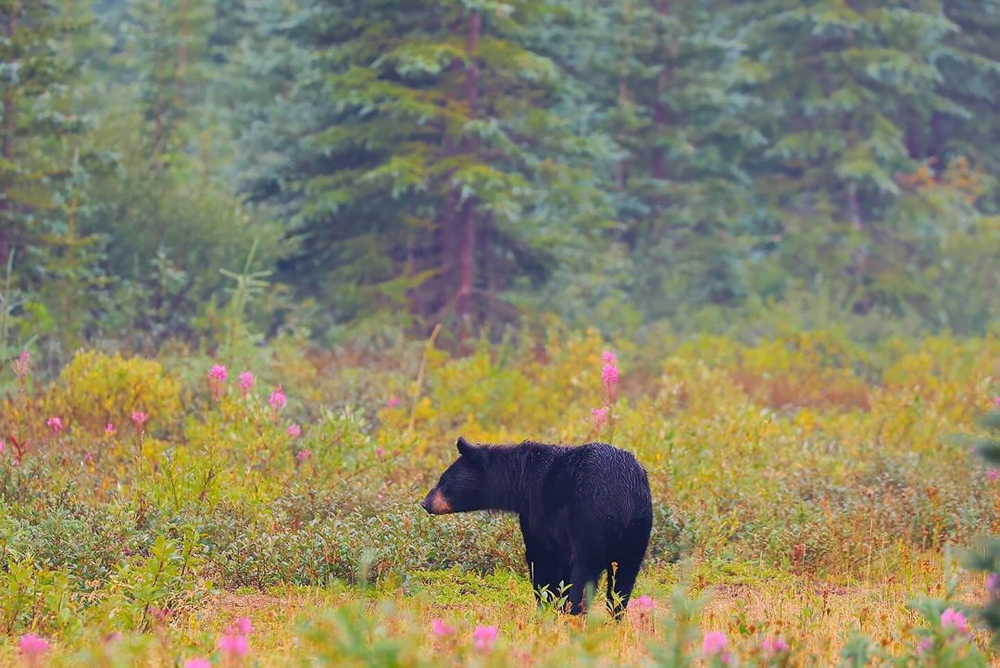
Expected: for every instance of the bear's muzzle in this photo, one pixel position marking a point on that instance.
(436, 504)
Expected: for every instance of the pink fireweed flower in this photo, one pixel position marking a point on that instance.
(22, 366)
(953, 619)
(643, 604)
(608, 357)
(139, 419)
(715, 642)
(88, 459)
(598, 416)
(993, 583)
(245, 383)
(993, 475)
(1, 446)
(216, 379)
(55, 424)
(294, 430)
(302, 455)
(441, 628)
(609, 374)
(277, 399)
(110, 430)
(32, 645)
(775, 645)
(243, 626)
(234, 644)
(198, 663)
(484, 637)
(996, 400)
(924, 646)
(394, 402)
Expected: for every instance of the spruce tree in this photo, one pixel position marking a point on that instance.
(418, 151)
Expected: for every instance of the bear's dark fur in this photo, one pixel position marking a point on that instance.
(583, 510)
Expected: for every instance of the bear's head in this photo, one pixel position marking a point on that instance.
(460, 487)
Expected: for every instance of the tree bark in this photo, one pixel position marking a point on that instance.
(623, 92)
(7, 149)
(467, 259)
(661, 114)
(467, 219)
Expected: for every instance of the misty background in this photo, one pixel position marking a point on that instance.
(361, 171)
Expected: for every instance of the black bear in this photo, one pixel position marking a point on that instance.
(583, 510)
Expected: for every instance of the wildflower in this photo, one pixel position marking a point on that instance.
(394, 401)
(598, 416)
(278, 399)
(161, 615)
(996, 400)
(992, 582)
(110, 430)
(88, 459)
(993, 474)
(216, 377)
(609, 374)
(302, 455)
(245, 383)
(379, 452)
(1, 446)
(715, 642)
(484, 637)
(924, 646)
(953, 619)
(644, 604)
(22, 366)
(441, 628)
(775, 645)
(139, 419)
(32, 645)
(243, 626)
(608, 357)
(198, 663)
(234, 644)
(55, 424)
(294, 430)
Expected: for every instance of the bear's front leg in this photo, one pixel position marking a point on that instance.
(547, 568)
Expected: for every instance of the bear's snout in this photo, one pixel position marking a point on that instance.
(435, 503)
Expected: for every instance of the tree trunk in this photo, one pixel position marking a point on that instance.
(854, 207)
(623, 93)
(467, 219)
(466, 259)
(7, 150)
(660, 112)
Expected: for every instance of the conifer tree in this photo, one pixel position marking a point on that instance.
(35, 69)
(428, 161)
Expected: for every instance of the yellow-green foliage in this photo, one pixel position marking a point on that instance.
(803, 459)
(95, 389)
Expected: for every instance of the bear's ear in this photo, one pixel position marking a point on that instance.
(465, 448)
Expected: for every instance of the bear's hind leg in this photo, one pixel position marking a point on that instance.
(621, 580)
(583, 579)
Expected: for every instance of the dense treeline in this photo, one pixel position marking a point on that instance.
(384, 166)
